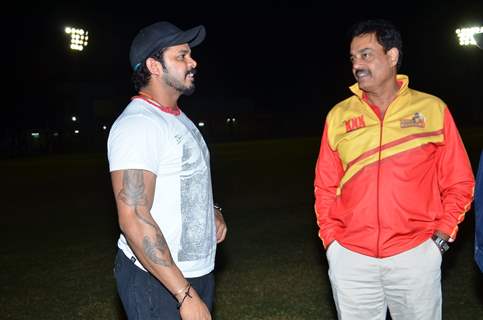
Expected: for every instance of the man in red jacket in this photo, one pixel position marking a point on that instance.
(392, 183)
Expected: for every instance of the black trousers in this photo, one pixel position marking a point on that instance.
(145, 298)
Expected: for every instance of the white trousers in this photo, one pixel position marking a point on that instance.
(409, 284)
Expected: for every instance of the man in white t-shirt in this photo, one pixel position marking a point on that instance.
(160, 170)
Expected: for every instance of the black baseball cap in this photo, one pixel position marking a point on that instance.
(161, 35)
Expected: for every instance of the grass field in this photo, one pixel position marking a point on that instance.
(59, 229)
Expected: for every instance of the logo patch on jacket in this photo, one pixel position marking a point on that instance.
(354, 123)
(178, 138)
(418, 120)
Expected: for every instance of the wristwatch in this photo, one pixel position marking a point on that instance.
(442, 244)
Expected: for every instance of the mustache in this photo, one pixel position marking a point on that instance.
(357, 72)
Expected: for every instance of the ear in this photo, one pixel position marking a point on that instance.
(153, 66)
(393, 54)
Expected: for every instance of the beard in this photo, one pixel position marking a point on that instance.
(178, 85)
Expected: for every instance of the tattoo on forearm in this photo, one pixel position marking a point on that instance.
(133, 194)
(151, 249)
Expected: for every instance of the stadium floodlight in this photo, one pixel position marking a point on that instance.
(79, 38)
(467, 36)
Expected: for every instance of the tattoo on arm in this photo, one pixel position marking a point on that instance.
(132, 192)
(133, 195)
(152, 248)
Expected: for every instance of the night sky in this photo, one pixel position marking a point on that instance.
(278, 56)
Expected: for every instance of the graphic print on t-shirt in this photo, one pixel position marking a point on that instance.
(196, 203)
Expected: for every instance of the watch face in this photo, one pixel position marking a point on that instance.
(441, 243)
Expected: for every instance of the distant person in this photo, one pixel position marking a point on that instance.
(392, 182)
(479, 215)
(160, 170)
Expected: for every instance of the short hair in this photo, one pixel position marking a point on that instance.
(142, 75)
(386, 34)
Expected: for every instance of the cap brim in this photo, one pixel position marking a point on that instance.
(192, 37)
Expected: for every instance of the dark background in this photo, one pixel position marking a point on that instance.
(276, 66)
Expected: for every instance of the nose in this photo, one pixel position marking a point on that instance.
(356, 63)
(192, 63)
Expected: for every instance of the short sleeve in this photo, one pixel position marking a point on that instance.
(136, 142)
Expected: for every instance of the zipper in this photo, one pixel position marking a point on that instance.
(378, 185)
(381, 121)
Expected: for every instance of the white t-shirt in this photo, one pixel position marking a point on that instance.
(171, 147)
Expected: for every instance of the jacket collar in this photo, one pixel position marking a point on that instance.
(401, 78)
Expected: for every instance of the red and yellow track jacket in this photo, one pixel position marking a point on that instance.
(384, 186)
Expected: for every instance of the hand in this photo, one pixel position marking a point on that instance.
(194, 308)
(220, 226)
